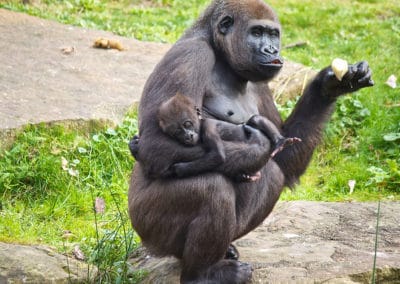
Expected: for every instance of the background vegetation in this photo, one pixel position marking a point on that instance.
(51, 176)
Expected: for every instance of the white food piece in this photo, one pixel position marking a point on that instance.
(339, 67)
(391, 81)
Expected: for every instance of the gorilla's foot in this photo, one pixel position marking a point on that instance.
(230, 271)
(232, 253)
(283, 143)
(225, 271)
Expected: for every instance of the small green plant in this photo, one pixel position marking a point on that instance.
(393, 136)
(286, 108)
(349, 115)
(51, 178)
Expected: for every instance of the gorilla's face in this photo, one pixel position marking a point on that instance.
(179, 119)
(263, 43)
(250, 46)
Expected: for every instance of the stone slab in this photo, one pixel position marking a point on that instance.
(39, 83)
(40, 264)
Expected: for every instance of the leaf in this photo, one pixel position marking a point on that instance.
(376, 170)
(391, 136)
(64, 164)
(78, 253)
(365, 112)
(391, 81)
(111, 132)
(99, 205)
(347, 120)
(379, 175)
(73, 172)
(68, 50)
(351, 184)
(357, 104)
(96, 138)
(394, 167)
(82, 150)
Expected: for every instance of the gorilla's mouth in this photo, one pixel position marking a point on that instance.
(276, 62)
(273, 63)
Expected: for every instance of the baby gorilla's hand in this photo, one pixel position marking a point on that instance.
(134, 146)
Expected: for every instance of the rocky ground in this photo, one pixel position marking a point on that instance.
(300, 242)
(311, 242)
(51, 73)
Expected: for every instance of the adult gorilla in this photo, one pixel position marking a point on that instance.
(224, 63)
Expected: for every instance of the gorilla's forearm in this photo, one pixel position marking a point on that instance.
(305, 122)
(242, 158)
(158, 158)
(312, 112)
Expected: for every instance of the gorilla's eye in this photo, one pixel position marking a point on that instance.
(187, 124)
(274, 32)
(256, 31)
(178, 132)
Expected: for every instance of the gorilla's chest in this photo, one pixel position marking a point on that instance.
(226, 103)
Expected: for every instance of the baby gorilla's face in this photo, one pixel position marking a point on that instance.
(187, 133)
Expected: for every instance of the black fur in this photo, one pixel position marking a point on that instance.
(224, 64)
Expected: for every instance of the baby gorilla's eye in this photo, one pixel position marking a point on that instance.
(178, 132)
(187, 124)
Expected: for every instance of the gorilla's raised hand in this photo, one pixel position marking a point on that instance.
(357, 77)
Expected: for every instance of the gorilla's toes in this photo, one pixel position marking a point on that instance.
(232, 253)
(245, 272)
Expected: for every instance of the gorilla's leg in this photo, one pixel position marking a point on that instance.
(255, 200)
(207, 241)
(206, 267)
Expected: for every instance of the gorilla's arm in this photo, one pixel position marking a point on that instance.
(312, 112)
(233, 150)
(186, 68)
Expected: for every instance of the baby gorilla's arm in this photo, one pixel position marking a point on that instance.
(271, 131)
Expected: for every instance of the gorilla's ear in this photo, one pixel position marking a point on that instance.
(225, 24)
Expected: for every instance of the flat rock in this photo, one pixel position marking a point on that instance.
(311, 242)
(40, 264)
(40, 83)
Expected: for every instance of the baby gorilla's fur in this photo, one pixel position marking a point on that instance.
(179, 118)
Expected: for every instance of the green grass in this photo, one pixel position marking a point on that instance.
(49, 181)
(47, 200)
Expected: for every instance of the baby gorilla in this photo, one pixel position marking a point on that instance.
(179, 118)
